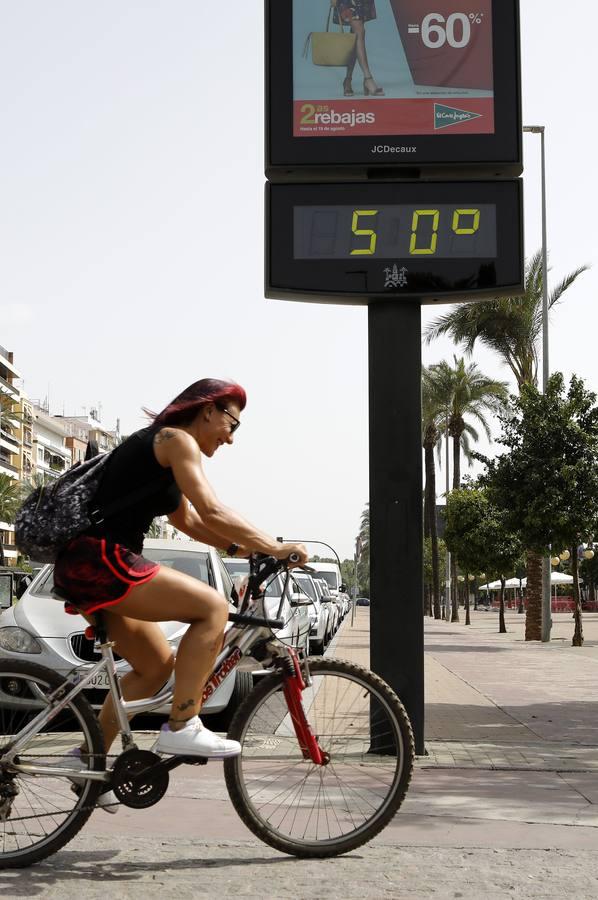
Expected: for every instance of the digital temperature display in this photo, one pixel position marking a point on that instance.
(395, 232)
(423, 241)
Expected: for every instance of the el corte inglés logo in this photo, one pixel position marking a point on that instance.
(445, 116)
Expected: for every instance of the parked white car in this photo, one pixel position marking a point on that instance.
(318, 614)
(293, 611)
(331, 574)
(38, 627)
(326, 598)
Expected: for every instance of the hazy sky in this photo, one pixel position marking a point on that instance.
(131, 241)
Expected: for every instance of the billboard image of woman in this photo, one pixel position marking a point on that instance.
(392, 67)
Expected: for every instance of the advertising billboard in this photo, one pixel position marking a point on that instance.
(404, 72)
(413, 83)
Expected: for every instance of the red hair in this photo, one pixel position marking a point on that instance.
(184, 408)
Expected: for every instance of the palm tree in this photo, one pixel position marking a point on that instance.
(432, 418)
(9, 418)
(511, 326)
(463, 391)
(11, 495)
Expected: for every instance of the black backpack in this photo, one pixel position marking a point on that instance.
(54, 514)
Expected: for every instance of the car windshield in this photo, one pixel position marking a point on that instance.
(275, 587)
(330, 578)
(193, 563)
(236, 566)
(307, 585)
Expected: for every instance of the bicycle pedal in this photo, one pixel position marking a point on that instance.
(195, 760)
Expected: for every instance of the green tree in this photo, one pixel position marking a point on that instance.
(479, 535)
(511, 327)
(348, 575)
(547, 484)
(464, 393)
(363, 566)
(11, 497)
(9, 415)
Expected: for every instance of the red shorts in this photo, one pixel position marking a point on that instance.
(94, 572)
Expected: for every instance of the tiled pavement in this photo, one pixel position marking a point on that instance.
(495, 702)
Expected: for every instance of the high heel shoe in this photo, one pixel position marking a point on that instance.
(347, 87)
(377, 92)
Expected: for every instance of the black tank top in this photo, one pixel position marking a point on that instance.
(133, 464)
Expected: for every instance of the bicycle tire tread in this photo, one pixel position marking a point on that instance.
(35, 855)
(345, 845)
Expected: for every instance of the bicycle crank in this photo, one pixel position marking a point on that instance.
(138, 779)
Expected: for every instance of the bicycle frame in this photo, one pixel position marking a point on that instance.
(238, 643)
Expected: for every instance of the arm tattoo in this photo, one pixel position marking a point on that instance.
(186, 705)
(164, 435)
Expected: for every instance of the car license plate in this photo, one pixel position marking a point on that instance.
(99, 680)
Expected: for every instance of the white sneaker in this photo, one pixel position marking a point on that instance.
(107, 800)
(195, 740)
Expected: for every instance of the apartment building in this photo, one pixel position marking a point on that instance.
(77, 436)
(10, 446)
(89, 428)
(51, 456)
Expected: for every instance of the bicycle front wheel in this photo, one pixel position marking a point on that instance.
(319, 811)
(40, 813)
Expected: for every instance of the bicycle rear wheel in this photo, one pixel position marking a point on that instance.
(39, 814)
(318, 811)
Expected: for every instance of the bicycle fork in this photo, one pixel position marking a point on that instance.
(293, 687)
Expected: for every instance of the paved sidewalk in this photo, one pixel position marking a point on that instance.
(505, 804)
(496, 702)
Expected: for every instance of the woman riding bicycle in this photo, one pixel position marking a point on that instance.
(105, 569)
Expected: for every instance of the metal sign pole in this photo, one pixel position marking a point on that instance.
(396, 526)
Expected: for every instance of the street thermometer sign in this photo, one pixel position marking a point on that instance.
(424, 241)
(444, 90)
(393, 150)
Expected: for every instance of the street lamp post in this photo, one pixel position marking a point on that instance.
(447, 591)
(546, 566)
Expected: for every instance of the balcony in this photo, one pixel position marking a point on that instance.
(7, 467)
(11, 388)
(9, 438)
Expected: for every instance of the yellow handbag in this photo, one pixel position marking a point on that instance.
(330, 48)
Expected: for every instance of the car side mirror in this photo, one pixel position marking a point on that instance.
(343, 588)
(299, 600)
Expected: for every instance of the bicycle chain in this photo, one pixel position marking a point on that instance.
(61, 812)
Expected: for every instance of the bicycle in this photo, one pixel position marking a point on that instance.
(326, 761)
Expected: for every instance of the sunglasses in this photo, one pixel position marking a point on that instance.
(235, 423)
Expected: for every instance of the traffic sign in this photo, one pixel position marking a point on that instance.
(444, 91)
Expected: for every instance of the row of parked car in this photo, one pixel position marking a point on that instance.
(318, 603)
(37, 627)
